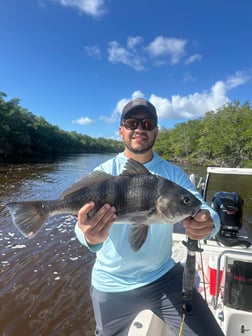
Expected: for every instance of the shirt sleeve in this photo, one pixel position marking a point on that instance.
(80, 236)
(215, 218)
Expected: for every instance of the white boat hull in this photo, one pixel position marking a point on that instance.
(234, 322)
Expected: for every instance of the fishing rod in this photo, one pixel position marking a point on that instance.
(189, 272)
(188, 277)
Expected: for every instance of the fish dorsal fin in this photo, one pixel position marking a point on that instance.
(133, 167)
(96, 176)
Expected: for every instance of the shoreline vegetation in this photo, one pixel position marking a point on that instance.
(25, 136)
(220, 138)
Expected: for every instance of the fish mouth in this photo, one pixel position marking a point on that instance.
(195, 211)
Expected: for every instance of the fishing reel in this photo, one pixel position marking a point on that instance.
(229, 206)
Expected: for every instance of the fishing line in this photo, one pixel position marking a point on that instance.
(182, 323)
(203, 272)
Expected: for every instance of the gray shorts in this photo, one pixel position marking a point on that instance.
(114, 312)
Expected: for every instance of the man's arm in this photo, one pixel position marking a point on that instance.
(92, 232)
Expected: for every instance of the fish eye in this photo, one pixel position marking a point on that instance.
(186, 200)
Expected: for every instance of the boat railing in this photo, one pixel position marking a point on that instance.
(227, 253)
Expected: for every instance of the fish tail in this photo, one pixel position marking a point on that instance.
(28, 216)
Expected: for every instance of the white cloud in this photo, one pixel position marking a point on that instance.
(192, 106)
(84, 121)
(116, 113)
(236, 80)
(188, 77)
(128, 55)
(174, 48)
(193, 58)
(93, 51)
(161, 51)
(91, 7)
(132, 42)
(197, 104)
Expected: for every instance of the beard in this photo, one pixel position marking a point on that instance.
(141, 150)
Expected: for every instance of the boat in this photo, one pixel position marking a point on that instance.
(223, 270)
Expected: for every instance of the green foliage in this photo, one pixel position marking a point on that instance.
(222, 138)
(22, 135)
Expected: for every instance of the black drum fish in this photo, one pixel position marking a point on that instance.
(140, 199)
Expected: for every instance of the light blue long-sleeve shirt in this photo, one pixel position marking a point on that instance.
(117, 267)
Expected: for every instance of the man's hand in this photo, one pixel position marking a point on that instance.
(199, 226)
(96, 229)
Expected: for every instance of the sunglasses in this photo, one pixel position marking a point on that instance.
(133, 123)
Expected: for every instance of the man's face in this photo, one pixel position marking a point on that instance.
(138, 141)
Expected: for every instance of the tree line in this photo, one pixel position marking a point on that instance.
(24, 135)
(222, 137)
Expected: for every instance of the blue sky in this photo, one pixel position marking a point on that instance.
(77, 62)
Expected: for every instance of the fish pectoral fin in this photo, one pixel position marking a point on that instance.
(137, 236)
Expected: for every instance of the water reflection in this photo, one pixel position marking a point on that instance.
(45, 281)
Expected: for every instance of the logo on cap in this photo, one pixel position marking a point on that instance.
(139, 101)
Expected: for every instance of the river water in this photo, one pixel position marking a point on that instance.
(44, 281)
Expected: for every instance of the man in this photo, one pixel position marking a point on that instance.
(125, 282)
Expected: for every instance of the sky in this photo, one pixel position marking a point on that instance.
(76, 63)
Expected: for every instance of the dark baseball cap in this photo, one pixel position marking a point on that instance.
(139, 104)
